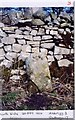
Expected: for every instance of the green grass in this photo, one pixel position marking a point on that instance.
(10, 97)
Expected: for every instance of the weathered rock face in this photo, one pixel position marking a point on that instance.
(37, 22)
(38, 70)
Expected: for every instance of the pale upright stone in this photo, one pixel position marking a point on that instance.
(38, 70)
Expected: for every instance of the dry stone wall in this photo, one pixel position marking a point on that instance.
(51, 35)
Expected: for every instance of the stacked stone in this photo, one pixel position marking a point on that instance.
(53, 38)
(37, 40)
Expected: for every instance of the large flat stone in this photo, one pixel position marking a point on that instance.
(38, 70)
(19, 32)
(9, 28)
(37, 38)
(28, 37)
(61, 50)
(26, 32)
(48, 45)
(28, 28)
(11, 56)
(47, 41)
(26, 48)
(7, 48)
(37, 22)
(25, 21)
(52, 32)
(46, 37)
(8, 40)
(64, 24)
(19, 36)
(21, 41)
(64, 62)
(59, 57)
(33, 32)
(16, 47)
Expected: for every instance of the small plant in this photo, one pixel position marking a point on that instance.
(10, 97)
